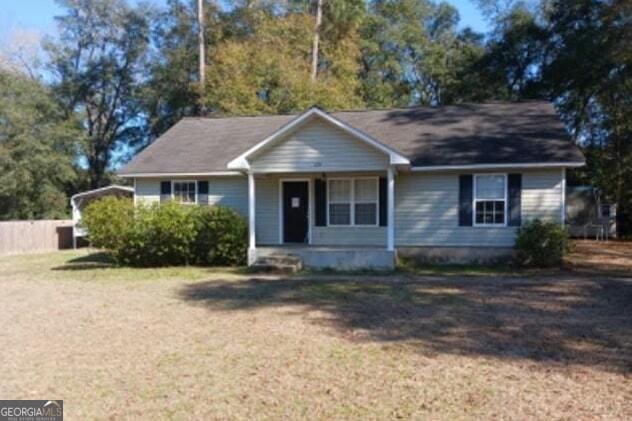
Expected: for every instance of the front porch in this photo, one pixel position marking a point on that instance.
(331, 257)
(340, 220)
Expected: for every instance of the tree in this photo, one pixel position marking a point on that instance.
(515, 55)
(37, 151)
(98, 64)
(269, 70)
(413, 54)
(589, 72)
(316, 39)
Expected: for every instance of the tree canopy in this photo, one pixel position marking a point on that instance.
(37, 152)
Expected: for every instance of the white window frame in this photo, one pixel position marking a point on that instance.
(475, 200)
(173, 191)
(352, 202)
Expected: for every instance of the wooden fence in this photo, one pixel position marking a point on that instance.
(34, 236)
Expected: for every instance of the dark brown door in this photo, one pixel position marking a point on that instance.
(295, 211)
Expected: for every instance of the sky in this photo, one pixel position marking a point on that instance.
(36, 16)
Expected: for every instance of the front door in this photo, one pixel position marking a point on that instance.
(295, 211)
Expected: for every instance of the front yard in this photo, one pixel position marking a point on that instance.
(201, 343)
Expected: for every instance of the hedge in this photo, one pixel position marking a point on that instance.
(166, 234)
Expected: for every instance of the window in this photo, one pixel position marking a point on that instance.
(490, 199)
(184, 191)
(340, 202)
(353, 201)
(365, 201)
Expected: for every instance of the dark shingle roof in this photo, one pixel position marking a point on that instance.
(489, 133)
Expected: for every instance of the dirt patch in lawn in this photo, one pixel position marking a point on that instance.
(195, 343)
(601, 258)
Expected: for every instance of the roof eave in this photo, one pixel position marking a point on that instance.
(534, 165)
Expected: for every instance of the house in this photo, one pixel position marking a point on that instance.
(351, 189)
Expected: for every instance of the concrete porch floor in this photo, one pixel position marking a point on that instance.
(334, 257)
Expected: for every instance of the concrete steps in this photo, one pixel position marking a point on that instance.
(278, 263)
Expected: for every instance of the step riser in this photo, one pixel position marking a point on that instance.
(278, 263)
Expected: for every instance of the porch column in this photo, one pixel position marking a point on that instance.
(251, 218)
(390, 194)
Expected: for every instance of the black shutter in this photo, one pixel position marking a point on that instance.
(165, 191)
(383, 203)
(202, 187)
(202, 192)
(465, 200)
(514, 192)
(320, 187)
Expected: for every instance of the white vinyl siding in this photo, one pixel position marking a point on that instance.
(426, 209)
(319, 146)
(229, 191)
(267, 210)
(541, 195)
(225, 191)
(349, 236)
(147, 191)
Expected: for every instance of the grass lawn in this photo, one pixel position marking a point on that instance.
(196, 343)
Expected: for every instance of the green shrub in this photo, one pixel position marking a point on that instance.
(166, 234)
(161, 235)
(541, 244)
(222, 237)
(108, 220)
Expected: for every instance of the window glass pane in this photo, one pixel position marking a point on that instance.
(499, 217)
(365, 190)
(340, 190)
(490, 212)
(480, 212)
(490, 187)
(366, 214)
(339, 214)
(184, 192)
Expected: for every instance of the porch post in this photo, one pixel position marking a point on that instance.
(251, 219)
(390, 183)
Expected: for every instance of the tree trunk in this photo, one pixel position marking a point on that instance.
(315, 45)
(202, 52)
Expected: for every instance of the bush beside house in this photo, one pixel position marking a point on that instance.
(166, 234)
(541, 244)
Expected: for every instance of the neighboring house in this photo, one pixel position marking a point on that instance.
(351, 189)
(79, 201)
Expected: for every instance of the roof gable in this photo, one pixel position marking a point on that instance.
(242, 161)
(318, 146)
